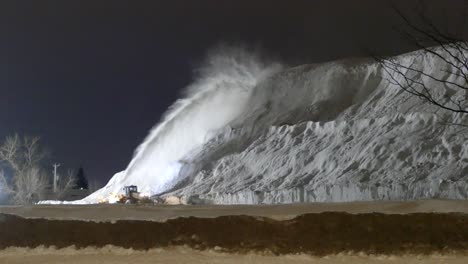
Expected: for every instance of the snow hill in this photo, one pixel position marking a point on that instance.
(252, 132)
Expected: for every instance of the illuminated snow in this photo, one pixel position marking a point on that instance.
(248, 132)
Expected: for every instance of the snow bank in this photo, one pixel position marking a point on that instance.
(249, 133)
(335, 132)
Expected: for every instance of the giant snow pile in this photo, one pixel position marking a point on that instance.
(251, 132)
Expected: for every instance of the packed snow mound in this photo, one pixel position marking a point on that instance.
(338, 131)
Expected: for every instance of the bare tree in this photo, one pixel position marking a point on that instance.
(65, 184)
(450, 50)
(23, 156)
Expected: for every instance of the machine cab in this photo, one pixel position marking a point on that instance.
(130, 189)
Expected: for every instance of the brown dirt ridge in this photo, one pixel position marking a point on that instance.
(316, 234)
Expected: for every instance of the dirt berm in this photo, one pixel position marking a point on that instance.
(317, 234)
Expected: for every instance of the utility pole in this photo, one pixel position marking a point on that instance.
(56, 165)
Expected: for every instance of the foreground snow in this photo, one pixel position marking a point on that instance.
(249, 133)
(115, 255)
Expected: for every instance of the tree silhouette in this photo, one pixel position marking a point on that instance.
(81, 181)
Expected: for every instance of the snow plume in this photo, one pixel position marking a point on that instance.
(218, 96)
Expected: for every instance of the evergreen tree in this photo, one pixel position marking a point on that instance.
(81, 181)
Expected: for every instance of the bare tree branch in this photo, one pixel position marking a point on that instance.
(23, 156)
(29, 186)
(4, 186)
(9, 151)
(66, 184)
(449, 50)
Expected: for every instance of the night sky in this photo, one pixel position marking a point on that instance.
(92, 77)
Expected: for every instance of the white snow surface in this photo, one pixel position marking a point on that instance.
(248, 132)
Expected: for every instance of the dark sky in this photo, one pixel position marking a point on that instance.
(92, 77)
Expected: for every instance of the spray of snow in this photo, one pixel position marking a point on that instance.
(337, 131)
(216, 98)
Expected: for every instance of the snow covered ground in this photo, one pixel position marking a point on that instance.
(161, 213)
(248, 133)
(115, 255)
